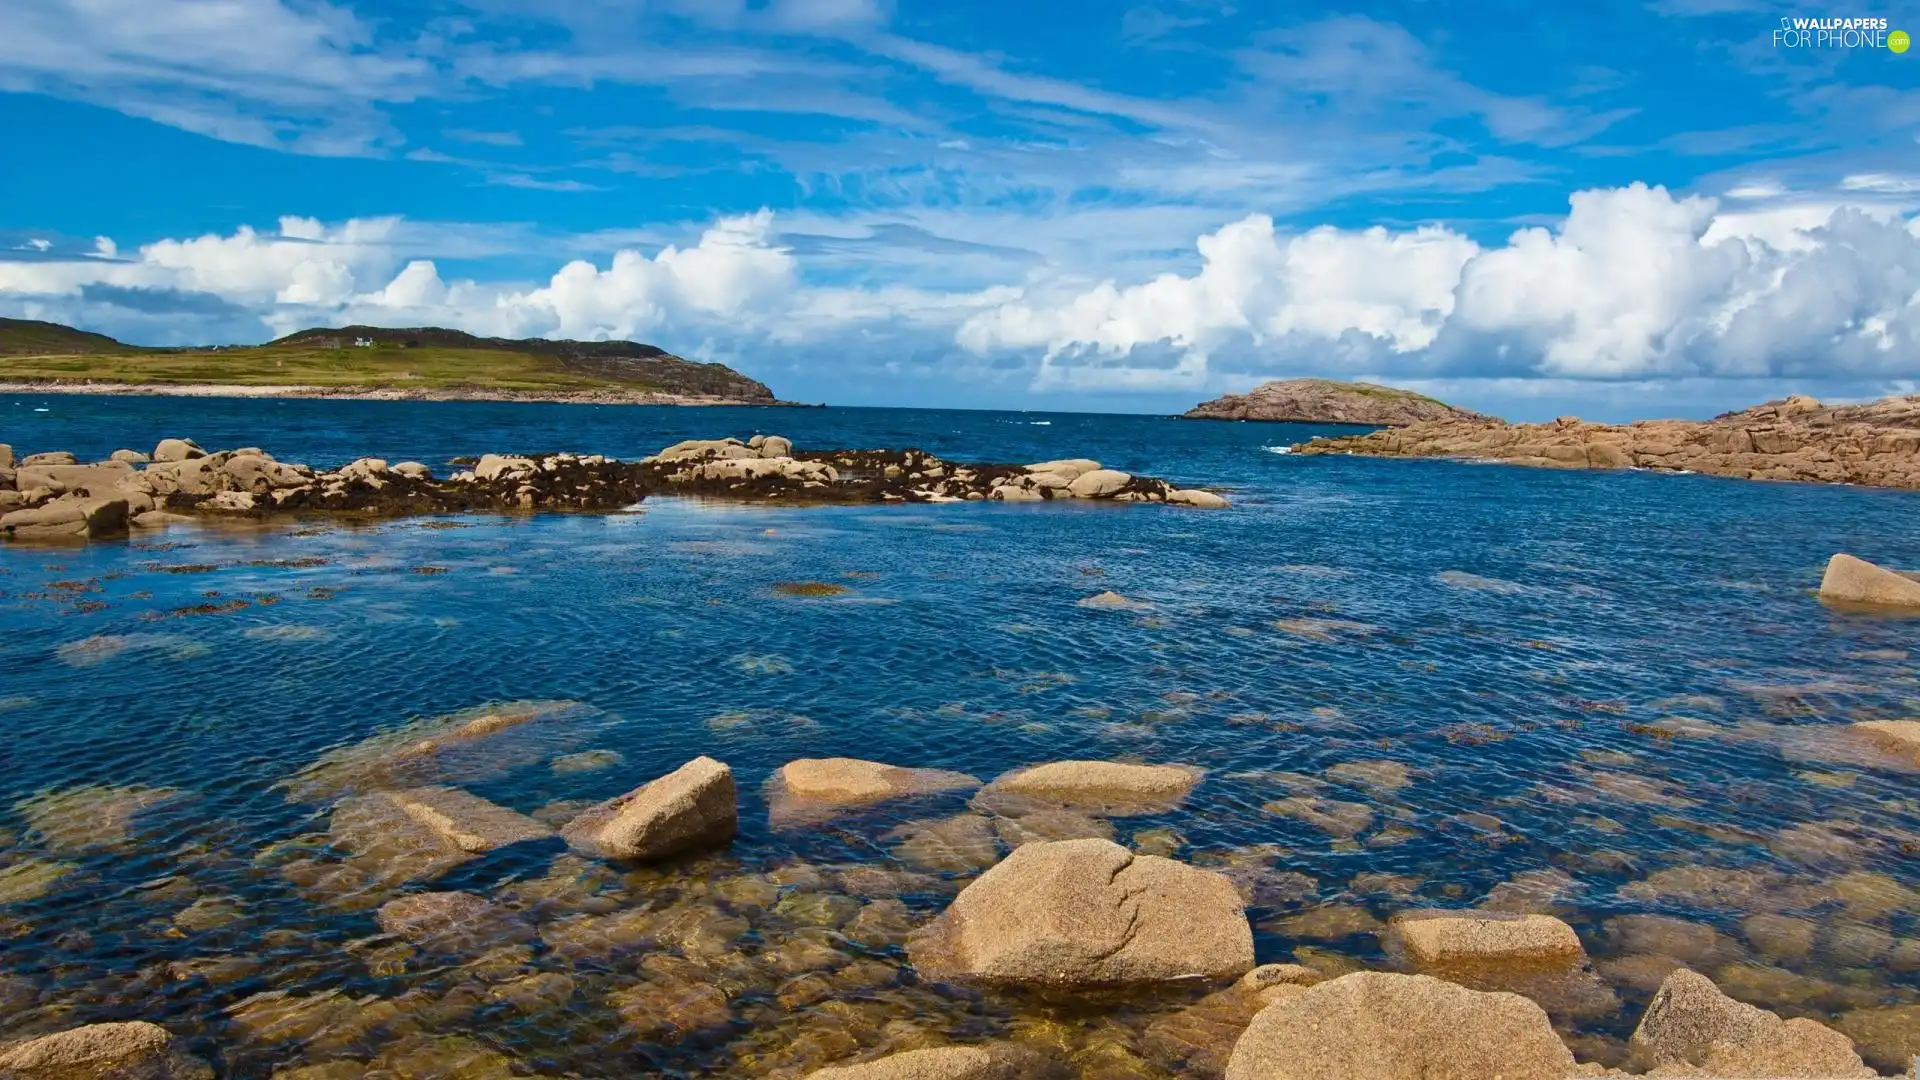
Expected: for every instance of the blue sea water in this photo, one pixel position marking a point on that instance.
(1620, 678)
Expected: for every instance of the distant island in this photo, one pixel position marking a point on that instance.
(1323, 401)
(421, 363)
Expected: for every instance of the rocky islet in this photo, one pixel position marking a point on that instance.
(52, 496)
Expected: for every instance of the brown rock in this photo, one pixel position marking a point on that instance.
(1438, 940)
(73, 517)
(1327, 402)
(1900, 737)
(467, 821)
(1691, 1023)
(690, 808)
(1856, 581)
(1198, 1040)
(450, 921)
(810, 787)
(177, 450)
(1379, 1026)
(989, 1062)
(129, 1051)
(1087, 913)
(1104, 787)
(1099, 484)
(1536, 956)
(1889, 1037)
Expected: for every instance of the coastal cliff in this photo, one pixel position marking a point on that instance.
(1874, 445)
(1323, 401)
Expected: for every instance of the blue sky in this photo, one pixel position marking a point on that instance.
(1622, 209)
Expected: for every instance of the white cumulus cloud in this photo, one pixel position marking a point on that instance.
(1635, 282)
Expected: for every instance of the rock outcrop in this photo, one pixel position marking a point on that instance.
(1323, 401)
(52, 497)
(1380, 1026)
(129, 1051)
(1082, 913)
(1876, 445)
(1690, 1025)
(1856, 581)
(691, 808)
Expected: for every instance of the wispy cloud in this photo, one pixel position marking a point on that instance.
(488, 138)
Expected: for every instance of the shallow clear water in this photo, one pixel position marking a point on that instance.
(1520, 640)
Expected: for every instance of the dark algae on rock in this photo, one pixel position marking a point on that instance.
(50, 496)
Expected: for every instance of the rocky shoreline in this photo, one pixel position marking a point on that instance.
(1463, 993)
(1798, 439)
(366, 393)
(53, 496)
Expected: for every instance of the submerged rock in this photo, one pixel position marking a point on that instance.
(1006, 1061)
(450, 921)
(1536, 956)
(90, 818)
(470, 744)
(1380, 1026)
(691, 808)
(1101, 787)
(1691, 1023)
(1088, 913)
(466, 821)
(1899, 737)
(811, 788)
(964, 842)
(128, 1051)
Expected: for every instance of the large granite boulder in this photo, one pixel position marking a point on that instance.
(91, 479)
(997, 1061)
(1691, 1025)
(129, 1051)
(69, 517)
(1099, 484)
(693, 807)
(177, 450)
(1077, 913)
(1856, 581)
(1380, 1026)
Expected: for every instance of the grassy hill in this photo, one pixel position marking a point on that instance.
(424, 359)
(27, 337)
